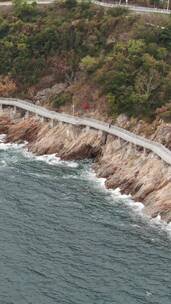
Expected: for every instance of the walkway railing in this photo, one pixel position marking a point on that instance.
(140, 9)
(156, 148)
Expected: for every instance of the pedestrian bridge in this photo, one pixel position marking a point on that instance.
(28, 107)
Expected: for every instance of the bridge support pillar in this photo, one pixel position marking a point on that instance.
(11, 113)
(26, 115)
(104, 137)
(42, 119)
(131, 150)
(144, 153)
(51, 124)
(120, 142)
(15, 110)
(1, 107)
(87, 129)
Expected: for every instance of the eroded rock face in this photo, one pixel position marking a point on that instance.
(163, 135)
(5, 123)
(24, 130)
(145, 177)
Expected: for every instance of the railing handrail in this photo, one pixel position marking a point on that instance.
(133, 7)
(156, 148)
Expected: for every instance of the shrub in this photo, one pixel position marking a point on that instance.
(61, 99)
(89, 64)
(70, 3)
(24, 10)
(118, 11)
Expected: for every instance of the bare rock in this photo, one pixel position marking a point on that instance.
(122, 121)
(45, 94)
(82, 152)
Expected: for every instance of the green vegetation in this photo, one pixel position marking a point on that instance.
(126, 57)
(61, 99)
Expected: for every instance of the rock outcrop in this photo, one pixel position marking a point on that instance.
(144, 176)
(45, 94)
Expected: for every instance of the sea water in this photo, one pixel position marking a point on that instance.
(64, 239)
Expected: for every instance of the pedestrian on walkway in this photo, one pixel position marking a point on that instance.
(110, 124)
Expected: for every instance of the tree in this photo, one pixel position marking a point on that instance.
(70, 3)
(24, 10)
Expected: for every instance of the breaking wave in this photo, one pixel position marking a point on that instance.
(87, 174)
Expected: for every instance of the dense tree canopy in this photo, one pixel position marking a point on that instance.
(128, 59)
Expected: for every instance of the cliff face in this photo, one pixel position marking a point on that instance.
(144, 176)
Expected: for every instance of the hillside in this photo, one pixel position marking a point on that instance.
(109, 60)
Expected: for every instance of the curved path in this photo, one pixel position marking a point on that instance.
(127, 136)
(138, 9)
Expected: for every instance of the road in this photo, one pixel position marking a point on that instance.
(138, 9)
(41, 2)
(127, 136)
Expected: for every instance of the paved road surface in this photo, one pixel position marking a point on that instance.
(138, 9)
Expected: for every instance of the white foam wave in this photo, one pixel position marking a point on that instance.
(50, 159)
(2, 137)
(71, 176)
(6, 146)
(90, 175)
(3, 163)
(136, 207)
(53, 160)
(160, 224)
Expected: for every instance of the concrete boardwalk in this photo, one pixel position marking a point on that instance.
(127, 136)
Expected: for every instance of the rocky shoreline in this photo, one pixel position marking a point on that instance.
(144, 176)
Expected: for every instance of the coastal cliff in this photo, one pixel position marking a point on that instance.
(142, 175)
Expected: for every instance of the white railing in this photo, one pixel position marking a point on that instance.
(156, 148)
(140, 9)
(135, 8)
